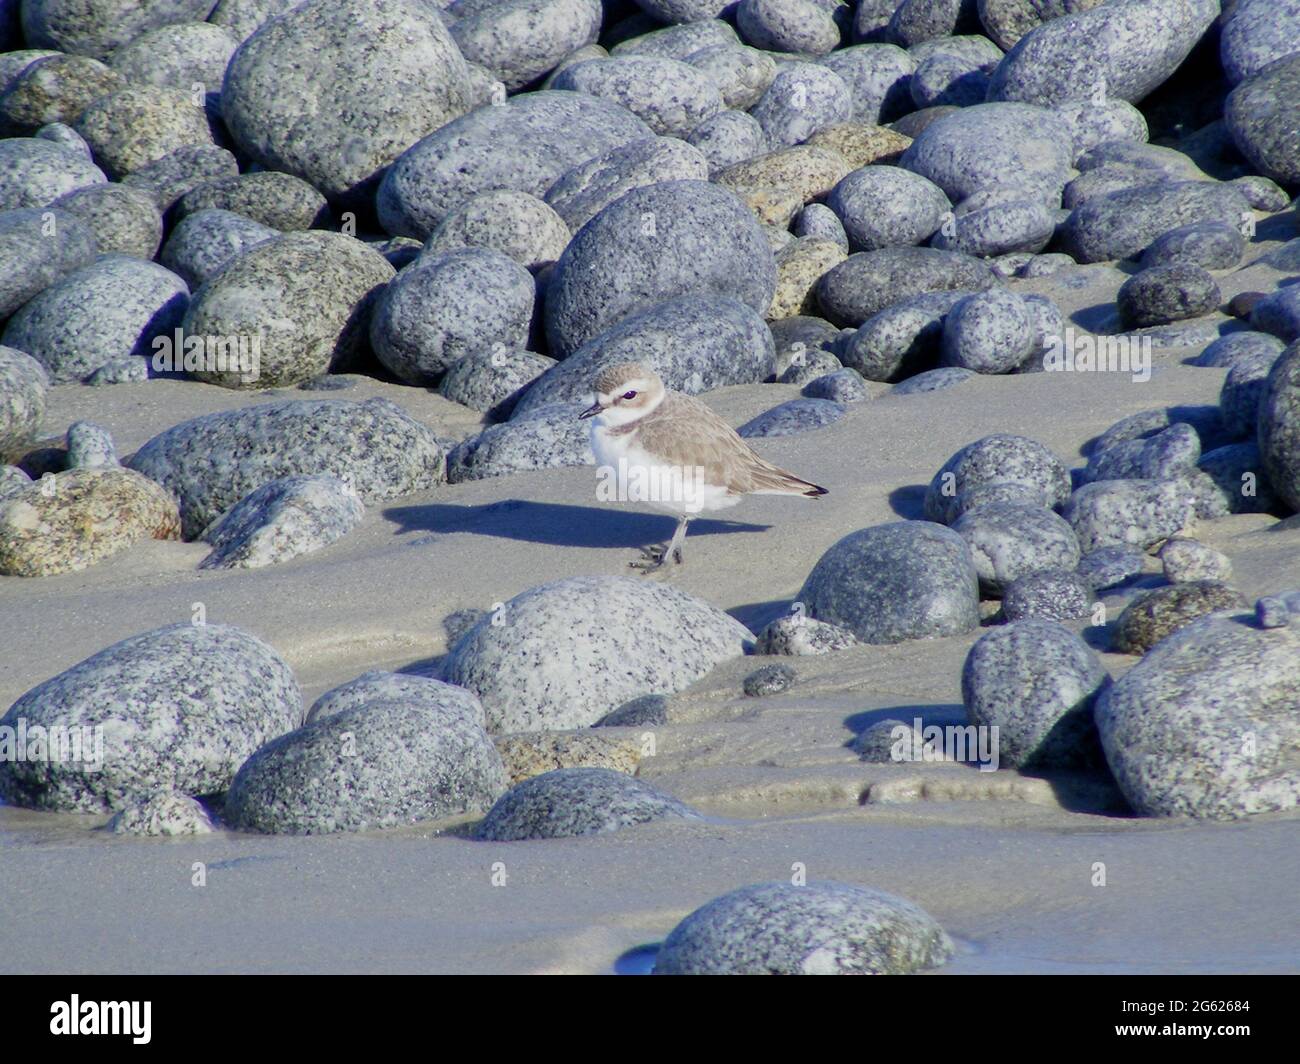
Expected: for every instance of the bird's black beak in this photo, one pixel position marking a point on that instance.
(591, 411)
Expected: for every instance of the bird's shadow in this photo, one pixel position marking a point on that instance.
(555, 524)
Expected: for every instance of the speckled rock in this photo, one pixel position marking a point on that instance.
(1006, 21)
(1279, 426)
(649, 710)
(141, 124)
(517, 225)
(989, 332)
(588, 188)
(38, 247)
(74, 519)
(805, 169)
(422, 692)
(799, 266)
(389, 66)
(90, 446)
(1144, 42)
(884, 206)
(1262, 113)
(306, 297)
(1187, 560)
(800, 26)
(1095, 122)
(894, 741)
(242, 18)
(1159, 295)
(571, 650)
(1203, 725)
(791, 418)
(492, 381)
(726, 139)
(901, 339)
(185, 169)
(989, 225)
(807, 366)
(521, 40)
(1156, 614)
(181, 707)
(35, 172)
(448, 305)
(866, 283)
(569, 802)
(54, 89)
(126, 370)
(527, 756)
(1011, 540)
(1233, 480)
(802, 99)
(179, 56)
(1210, 245)
(124, 220)
(932, 380)
(1108, 567)
(817, 929)
(1278, 313)
(861, 144)
(23, 387)
(768, 680)
(96, 27)
(1134, 513)
(893, 582)
(526, 144)
(742, 74)
(879, 78)
(280, 201)
(14, 63)
(1242, 390)
(670, 96)
(997, 459)
(1255, 33)
(280, 520)
(1036, 682)
(1123, 224)
(840, 386)
(205, 242)
(65, 136)
(695, 344)
(1162, 456)
(1050, 594)
(374, 766)
(1243, 346)
(818, 220)
(162, 815)
(801, 636)
(656, 243)
(977, 147)
(209, 463)
(112, 308)
(677, 42)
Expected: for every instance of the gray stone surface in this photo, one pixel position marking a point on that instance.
(123, 219)
(1186, 560)
(636, 713)
(185, 169)
(818, 220)
(800, 26)
(178, 56)
(670, 96)
(113, 308)
(180, 708)
(23, 387)
(801, 636)
(1133, 513)
(1010, 540)
(868, 282)
(382, 74)
(282, 519)
(1036, 682)
(802, 99)
(1242, 390)
(161, 815)
(1163, 456)
(839, 386)
(886, 206)
(1238, 483)
(209, 463)
(517, 225)
(1262, 114)
(792, 417)
(307, 296)
(567, 652)
(894, 582)
(493, 380)
(1203, 725)
(54, 89)
(1255, 33)
(998, 459)
(742, 74)
(35, 172)
(380, 686)
(543, 438)
(205, 242)
(374, 766)
(1279, 427)
(519, 41)
(695, 344)
(526, 144)
(90, 446)
(1049, 594)
(96, 27)
(989, 332)
(448, 305)
(988, 227)
(140, 124)
(1279, 313)
(1159, 295)
(280, 201)
(817, 929)
(1123, 224)
(570, 802)
(901, 339)
(1210, 245)
(879, 79)
(726, 139)
(656, 243)
(1153, 615)
(1108, 567)
(1243, 346)
(677, 42)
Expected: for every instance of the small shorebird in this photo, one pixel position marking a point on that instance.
(670, 450)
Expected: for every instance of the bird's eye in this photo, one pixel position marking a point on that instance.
(629, 395)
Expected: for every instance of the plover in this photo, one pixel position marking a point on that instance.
(670, 450)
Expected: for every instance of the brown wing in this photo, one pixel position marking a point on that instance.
(685, 432)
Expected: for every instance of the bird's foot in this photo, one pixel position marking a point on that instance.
(653, 558)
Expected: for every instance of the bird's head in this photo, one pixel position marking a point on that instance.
(625, 393)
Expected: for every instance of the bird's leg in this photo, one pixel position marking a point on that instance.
(675, 544)
(654, 557)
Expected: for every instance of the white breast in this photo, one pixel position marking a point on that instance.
(643, 477)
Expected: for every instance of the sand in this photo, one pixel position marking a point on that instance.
(1007, 863)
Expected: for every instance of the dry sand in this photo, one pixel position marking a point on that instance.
(1005, 862)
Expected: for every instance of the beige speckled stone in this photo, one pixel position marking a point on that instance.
(861, 144)
(772, 206)
(809, 171)
(799, 265)
(69, 521)
(531, 754)
(141, 124)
